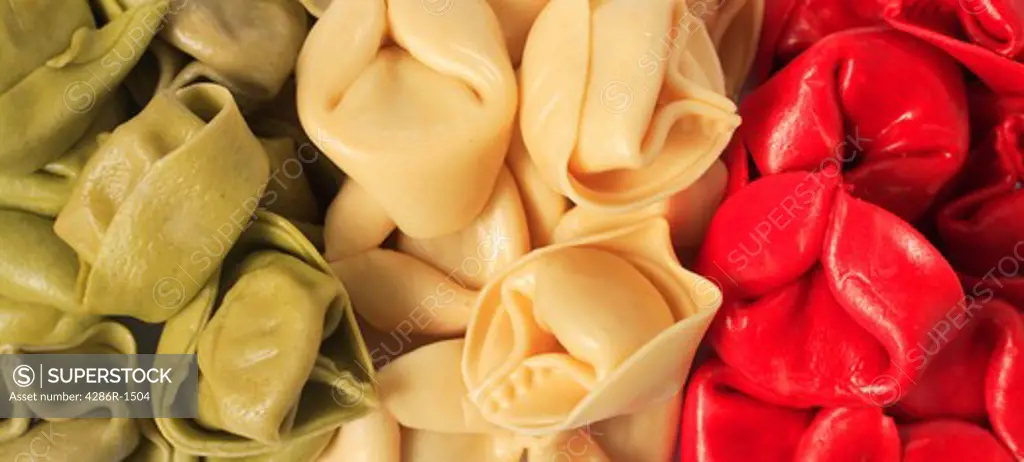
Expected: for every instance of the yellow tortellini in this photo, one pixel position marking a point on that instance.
(427, 417)
(432, 282)
(428, 286)
(552, 345)
(418, 110)
(630, 108)
(735, 28)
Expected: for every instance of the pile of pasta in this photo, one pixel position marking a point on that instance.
(523, 230)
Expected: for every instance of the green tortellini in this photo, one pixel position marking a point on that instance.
(94, 439)
(59, 70)
(300, 173)
(37, 279)
(80, 440)
(11, 429)
(231, 43)
(104, 337)
(38, 274)
(281, 360)
(155, 72)
(132, 185)
(288, 191)
(243, 325)
(154, 448)
(26, 324)
(46, 190)
(161, 202)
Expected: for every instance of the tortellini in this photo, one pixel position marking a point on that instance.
(230, 43)
(552, 345)
(11, 429)
(58, 72)
(428, 286)
(427, 416)
(630, 107)
(510, 182)
(418, 109)
(688, 214)
(154, 448)
(735, 28)
(82, 440)
(515, 16)
(86, 439)
(37, 283)
(47, 190)
(280, 358)
(431, 281)
(543, 206)
(374, 437)
(154, 212)
(38, 273)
